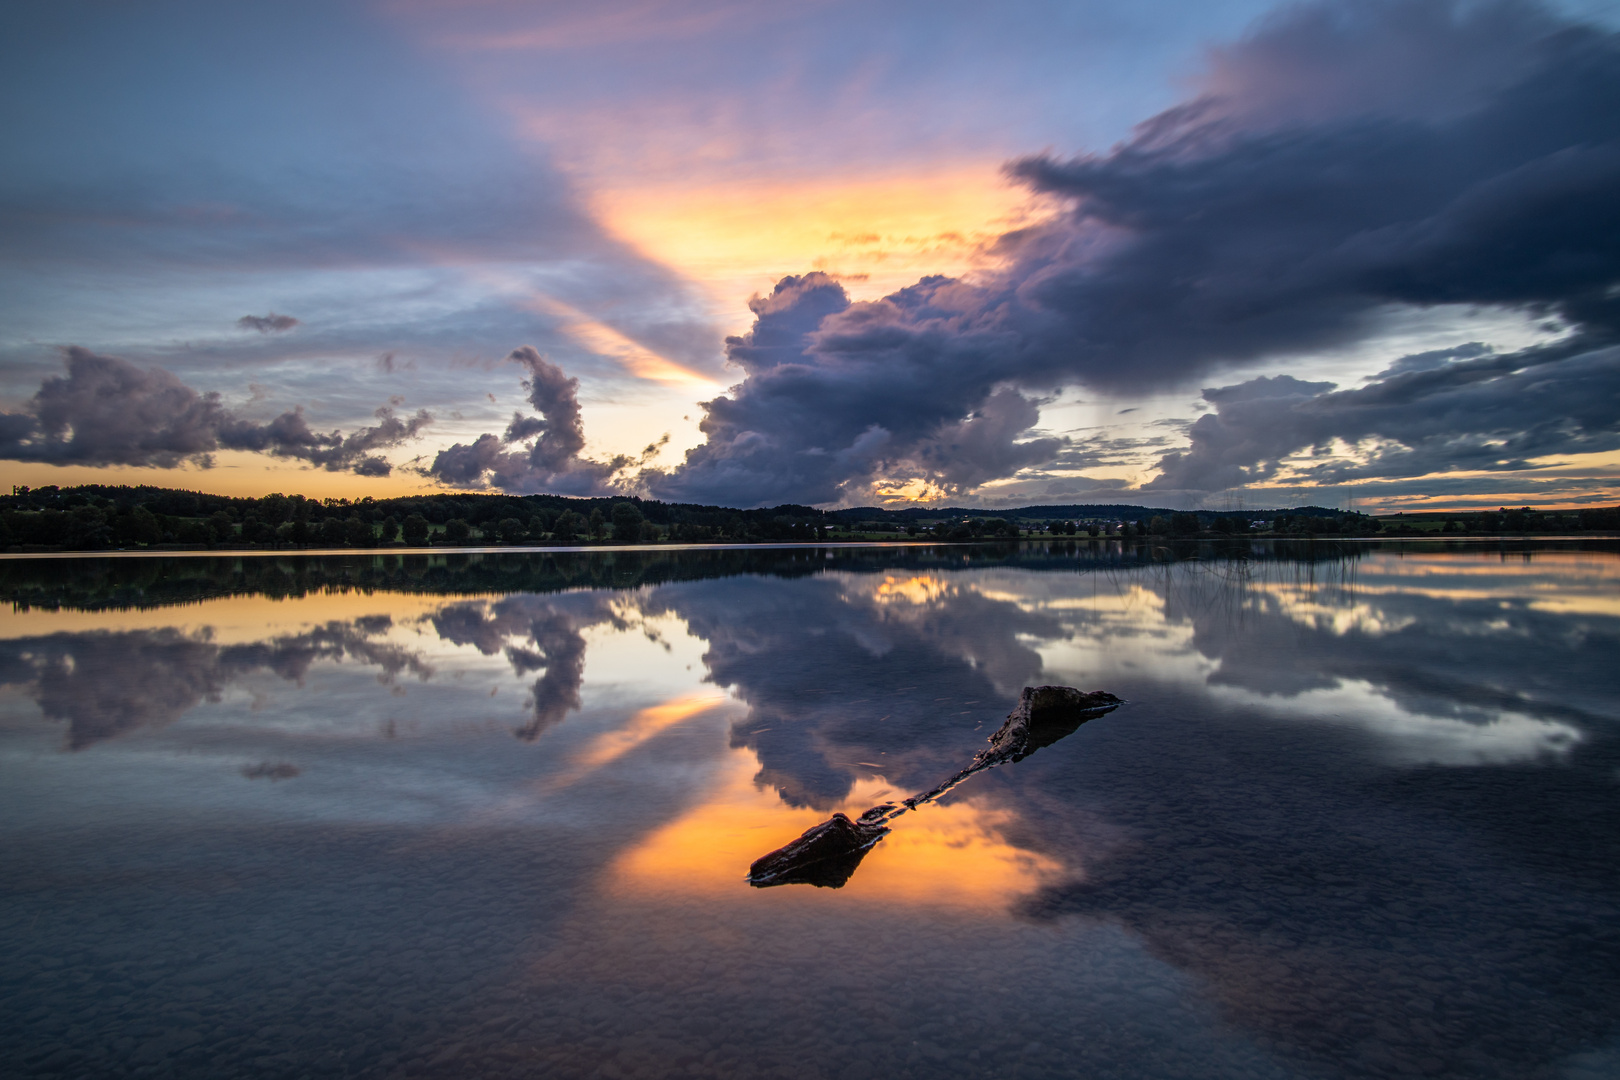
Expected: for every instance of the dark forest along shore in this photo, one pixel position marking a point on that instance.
(99, 517)
(455, 814)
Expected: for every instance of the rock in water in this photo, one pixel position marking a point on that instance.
(828, 854)
(1044, 715)
(825, 856)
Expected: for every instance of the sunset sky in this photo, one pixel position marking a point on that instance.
(1215, 253)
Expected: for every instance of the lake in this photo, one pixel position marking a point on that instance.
(490, 815)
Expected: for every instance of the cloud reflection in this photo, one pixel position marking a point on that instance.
(536, 635)
(108, 684)
(836, 672)
(1363, 799)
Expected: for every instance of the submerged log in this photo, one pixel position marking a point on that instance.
(828, 854)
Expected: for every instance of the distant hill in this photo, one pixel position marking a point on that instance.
(1063, 512)
(437, 505)
(98, 516)
(480, 506)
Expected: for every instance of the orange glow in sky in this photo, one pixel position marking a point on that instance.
(235, 472)
(877, 234)
(603, 340)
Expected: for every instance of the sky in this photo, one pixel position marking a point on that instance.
(1218, 254)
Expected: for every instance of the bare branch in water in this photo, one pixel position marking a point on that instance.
(826, 855)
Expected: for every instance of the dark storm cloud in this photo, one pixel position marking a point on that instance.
(552, 463)
(107, 411)
(1277, 214)
(1421, 416)
(267, 324)
(836, 396)
(1343, 160)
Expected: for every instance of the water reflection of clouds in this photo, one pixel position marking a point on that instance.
(1370, 921)
(1401, 646)
(834, 672)
(1412, 737)
(534, 634)
(647, 724)
(1218, 656)
(1240, 821)
(102, 685)
(1447, 673)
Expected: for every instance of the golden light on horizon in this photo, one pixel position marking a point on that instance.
(1603, 468)
(235, 473)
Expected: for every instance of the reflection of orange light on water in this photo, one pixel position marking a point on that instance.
(1566, 582)
(235, 620)
(915, 590)
(950, 855)
(644, 725)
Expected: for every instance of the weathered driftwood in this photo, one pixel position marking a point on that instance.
(827, 854)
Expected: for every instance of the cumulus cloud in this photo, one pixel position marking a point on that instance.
(108, 411)
(1419, 417)
(267, 324)
(289, 435)
(1343, 160)
(841, 395)
(552, 462)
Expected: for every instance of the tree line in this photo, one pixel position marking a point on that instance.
(95, 517)
(1523, 519)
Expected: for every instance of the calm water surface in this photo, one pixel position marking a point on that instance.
(489, 816)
